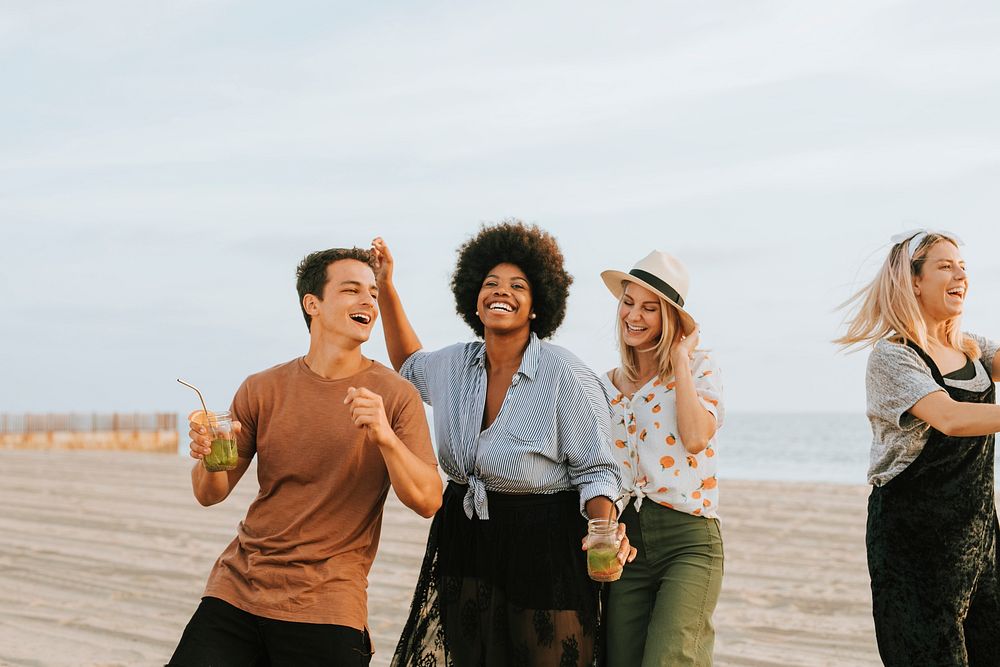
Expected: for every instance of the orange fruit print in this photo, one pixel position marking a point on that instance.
(656, 408)
(671, 440)
(620, 444)
(642, 436)
(709, 452)
(709, 483)
(666, 462)
(692, 461)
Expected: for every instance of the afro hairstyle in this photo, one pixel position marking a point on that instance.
(528, 247)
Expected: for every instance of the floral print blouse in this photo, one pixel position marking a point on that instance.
(647, 446)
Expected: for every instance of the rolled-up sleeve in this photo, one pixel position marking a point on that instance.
(896, 379)
(583, 423)
(708, 385)
(415, 371)
(429, 371)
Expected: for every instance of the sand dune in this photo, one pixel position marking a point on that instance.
(103, 557)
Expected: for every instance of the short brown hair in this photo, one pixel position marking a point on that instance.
(311, 272)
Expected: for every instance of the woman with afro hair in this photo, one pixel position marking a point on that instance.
(522, 432)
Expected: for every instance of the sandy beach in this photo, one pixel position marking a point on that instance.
(104, 555)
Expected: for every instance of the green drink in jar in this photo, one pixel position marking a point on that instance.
(224, 454)
(602, 550)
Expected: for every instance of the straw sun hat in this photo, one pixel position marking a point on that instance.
(660, 273)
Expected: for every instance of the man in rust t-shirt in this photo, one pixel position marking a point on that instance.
(330, 431)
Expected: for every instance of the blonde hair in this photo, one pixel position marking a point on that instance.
(670, 333)
(887, 307)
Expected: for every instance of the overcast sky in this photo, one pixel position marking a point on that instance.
(164, 166)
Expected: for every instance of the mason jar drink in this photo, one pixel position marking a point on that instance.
(602, 550)
(220, 428)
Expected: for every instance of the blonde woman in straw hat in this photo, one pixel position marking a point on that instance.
(932, 521)
(667, 407)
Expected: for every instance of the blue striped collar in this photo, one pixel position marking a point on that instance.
(529, 360)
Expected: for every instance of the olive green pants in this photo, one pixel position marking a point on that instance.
(660, 611)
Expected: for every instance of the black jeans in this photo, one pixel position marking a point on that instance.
(221, 635)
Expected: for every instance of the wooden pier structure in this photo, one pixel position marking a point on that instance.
(144, 432)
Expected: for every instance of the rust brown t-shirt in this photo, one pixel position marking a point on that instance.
(309, 538)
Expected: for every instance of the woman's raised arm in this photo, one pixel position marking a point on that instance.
(400, 339)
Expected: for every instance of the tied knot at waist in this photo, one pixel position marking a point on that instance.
(475, 502)
(636, 493)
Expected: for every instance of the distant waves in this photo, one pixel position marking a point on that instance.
(795, 447)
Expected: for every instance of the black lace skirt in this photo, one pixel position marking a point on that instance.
(506, 592)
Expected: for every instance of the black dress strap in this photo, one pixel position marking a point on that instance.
(935, 371)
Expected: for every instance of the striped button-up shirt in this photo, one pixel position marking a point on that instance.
(552, 433)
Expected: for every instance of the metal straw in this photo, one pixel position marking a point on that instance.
(203, 406)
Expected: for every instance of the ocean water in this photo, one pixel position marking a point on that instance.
(828, 447)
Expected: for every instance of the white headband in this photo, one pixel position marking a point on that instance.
(916, 237)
